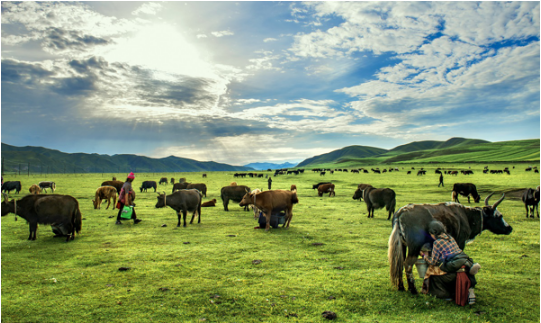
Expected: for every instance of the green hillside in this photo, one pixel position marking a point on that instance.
(454, 150)
(43, 160)
(344, 154)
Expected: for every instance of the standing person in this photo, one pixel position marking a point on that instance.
(126, 197)
(270, 182)
(440, 283)
(441, 180)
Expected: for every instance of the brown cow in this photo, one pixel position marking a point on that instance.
(209, 203)
(324, 188)
(272, 201)
(103, 193)
(34, 189)
(293, 187)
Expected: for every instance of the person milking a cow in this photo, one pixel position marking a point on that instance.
(451, 273)
(125, 198)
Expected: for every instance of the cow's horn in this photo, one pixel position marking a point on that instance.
(498, 202)
(486, 199)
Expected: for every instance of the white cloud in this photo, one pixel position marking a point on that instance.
(222, 33)
(266, 40)
(149, 8)
(201, 36)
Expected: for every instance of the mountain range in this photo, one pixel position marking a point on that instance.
(454, 150)
(45, 160)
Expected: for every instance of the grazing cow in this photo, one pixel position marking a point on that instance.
(180, 186)
(10, 186)
(454, 172)
(293, 187)
(410, 231)
(315, 186)
(45, 185)
(198, 186)
(465, 189)
(531, 198)
(235, 194)
(182, 201)
(322, 174)
(148, 184)
(377, 198)
(34, 189)
(60, 211)
(163, 180)
(409, 172)
(233, 184)
(210, 203)
(115, 184)
(104, 193)
(204, 175)
(326, 188)
(272, 202)
(421, 172)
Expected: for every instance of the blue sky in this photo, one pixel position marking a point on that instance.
(242, 82)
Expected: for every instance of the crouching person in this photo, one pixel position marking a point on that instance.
(451, 273)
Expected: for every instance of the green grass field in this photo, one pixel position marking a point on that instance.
(205, 272)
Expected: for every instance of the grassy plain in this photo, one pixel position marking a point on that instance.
(204, 272)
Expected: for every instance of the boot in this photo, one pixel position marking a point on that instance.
(471, 297)
(475, 269)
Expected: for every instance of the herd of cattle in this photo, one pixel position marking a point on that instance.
(63, 214)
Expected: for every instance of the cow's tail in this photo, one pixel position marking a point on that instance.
(77, 219)
(396, 256)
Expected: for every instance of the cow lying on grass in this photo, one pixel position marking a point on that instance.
(104, 193)
(272, 202)
(60, 211)
(182, 201)
(210, 203)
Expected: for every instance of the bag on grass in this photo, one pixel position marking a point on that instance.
(127, 212)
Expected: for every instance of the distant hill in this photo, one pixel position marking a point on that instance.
(53, 161)
(265, 166)
(343, 154)
(457, 150)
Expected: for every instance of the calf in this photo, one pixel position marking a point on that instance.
(210, 203)
(10, 186)
(272, 202)
(465, 189)
(60, 211)
(34, 189)
(235, 194)
(115, 184)
(182, 201)
(180, 186)
(198, 186)
(45, 185)
(148, 184)
(377, 198)
(104, 193)
(531, 198)
(326, 188)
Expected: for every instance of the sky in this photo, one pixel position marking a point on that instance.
(243, 82)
